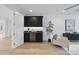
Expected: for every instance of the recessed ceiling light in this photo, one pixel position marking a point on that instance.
(30, 10)
(16, 12)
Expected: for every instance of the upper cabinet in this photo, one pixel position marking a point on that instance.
(33, 21)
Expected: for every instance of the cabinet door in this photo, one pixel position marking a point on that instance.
(39, 37)
(26, 37)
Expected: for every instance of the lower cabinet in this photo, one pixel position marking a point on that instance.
(26, 37)
(38, 36)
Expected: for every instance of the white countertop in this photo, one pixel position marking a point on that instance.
(33, 28)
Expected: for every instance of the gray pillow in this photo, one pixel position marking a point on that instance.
(55, 36)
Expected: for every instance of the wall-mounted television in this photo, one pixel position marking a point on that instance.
(33, 21)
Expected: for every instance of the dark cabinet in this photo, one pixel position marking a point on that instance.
(33, 21)
(26, 36)
(37, 36)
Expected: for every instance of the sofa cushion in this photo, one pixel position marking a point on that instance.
(55, 36)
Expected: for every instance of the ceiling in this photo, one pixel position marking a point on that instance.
(43, 9)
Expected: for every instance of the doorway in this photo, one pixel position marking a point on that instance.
(5, 41)
(2, 33)
(2, 29)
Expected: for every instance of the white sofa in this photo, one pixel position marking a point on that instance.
(61, 41)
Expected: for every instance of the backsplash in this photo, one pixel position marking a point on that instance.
(33, 28)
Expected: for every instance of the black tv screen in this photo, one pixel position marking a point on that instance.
(33, 21)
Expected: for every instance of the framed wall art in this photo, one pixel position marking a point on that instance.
(70, 25)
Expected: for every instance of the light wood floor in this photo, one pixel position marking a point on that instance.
(44, 48)
(5, 43)
(32, 48)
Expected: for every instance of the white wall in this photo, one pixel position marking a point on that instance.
(57, 20)
(6, 15)
(77, 24)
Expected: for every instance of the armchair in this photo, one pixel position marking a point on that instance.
(61, 41)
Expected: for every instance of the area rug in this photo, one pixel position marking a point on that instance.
(73, 49)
